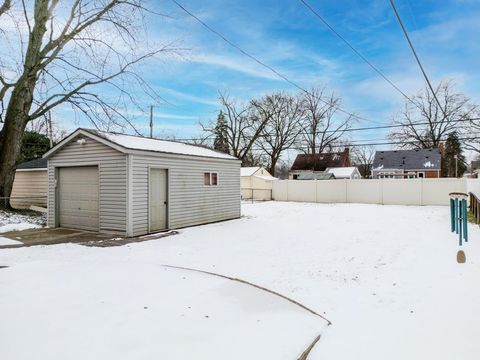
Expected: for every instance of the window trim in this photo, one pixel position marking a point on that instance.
(210, 178)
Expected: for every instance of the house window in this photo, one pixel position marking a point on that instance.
(421, 175)
(210, 179)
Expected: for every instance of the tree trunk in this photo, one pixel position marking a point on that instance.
(20, 103)
(273, 165)
(10, 147)
(16, 120)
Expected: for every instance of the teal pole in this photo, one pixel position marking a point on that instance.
(452, 214)
(465, 220)
(457, 216)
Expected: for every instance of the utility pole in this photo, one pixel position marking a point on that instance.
(48, 120)
(456, 165)
(151, 121)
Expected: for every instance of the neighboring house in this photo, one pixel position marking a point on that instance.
(316, 176)
(30, 185)
(256, 183)
(314, 163)
(130, 185)
(350, 172)
(474, 168)
(407, 164)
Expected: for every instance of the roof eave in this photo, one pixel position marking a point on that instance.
(118, 147)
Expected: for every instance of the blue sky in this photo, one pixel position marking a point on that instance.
(285, 35)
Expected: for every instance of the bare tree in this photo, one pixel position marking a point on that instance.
(437, 122)
(82, 53)
(243, 127)
(363, 159)
(5, 6)
(283, 126)
(322, 127)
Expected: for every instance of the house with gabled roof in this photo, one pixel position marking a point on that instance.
(131, 185)
(407, 164)
(315, 163)
(256, 183)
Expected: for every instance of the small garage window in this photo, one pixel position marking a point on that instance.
(210, 179)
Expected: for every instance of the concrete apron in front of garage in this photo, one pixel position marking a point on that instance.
(50, 236)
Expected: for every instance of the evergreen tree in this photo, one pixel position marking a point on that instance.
(221, 141)
(454, 160)
(34, 145)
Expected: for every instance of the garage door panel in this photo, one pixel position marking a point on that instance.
(78, 197)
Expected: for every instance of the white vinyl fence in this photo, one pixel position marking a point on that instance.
(375, 191)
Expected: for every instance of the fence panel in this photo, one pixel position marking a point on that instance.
(303, 190)
(364, 191)
(435, 191)
(280, 190)
(377, 191)
(402, 192)
(330, 191)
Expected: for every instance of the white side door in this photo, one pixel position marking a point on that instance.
(158, 197)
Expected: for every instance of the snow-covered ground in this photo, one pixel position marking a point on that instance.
(386, 276)
(13, 221)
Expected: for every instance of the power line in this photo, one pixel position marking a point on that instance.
(377, 144)
(209, 28)
(322, 19)
(416, 56)
(362, 128)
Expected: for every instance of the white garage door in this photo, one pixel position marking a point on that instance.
(78, 197)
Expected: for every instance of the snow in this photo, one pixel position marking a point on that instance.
(266, 177)
(248, 171)
(386, 276)
(341, 172)
(6, 241)
(428, 164)
(13, 221)
(165, 146)
(18, 227)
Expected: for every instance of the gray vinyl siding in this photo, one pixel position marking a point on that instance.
(112, 171)
(190, 201)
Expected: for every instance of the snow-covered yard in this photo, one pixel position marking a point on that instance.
(13, 221)
(386, 276)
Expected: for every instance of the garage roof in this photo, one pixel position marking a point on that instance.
(36, 164)
(128, 143)
(249, 171)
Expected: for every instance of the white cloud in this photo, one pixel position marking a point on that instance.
(234, 63)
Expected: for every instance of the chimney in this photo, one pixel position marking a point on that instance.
(441, 149)
(346, 157)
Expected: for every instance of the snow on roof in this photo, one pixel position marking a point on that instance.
(419, 159)
(341, 171)
(248, 171)
(265, 177)
(165, 146)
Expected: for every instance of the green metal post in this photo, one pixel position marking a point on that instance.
(465, 220)
(452, 214)
(457, 216)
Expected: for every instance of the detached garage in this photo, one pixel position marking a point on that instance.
(132, 186)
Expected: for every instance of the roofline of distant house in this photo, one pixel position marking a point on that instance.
(407, 169)
(35, 169)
